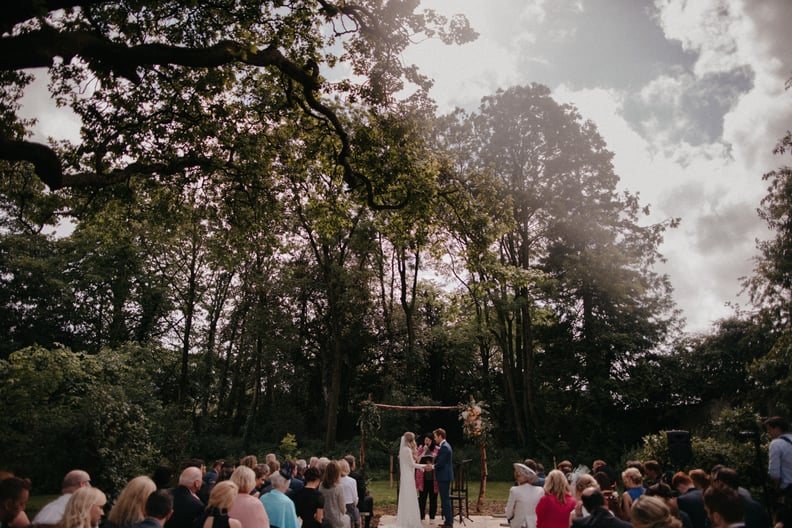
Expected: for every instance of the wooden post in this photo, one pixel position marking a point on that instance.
(483, 485)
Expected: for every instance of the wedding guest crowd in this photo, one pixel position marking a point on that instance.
(325, 493)
(248, 495)
(583, 498)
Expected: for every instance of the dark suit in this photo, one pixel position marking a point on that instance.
(148, 522)
(692, 503)
(600, 518)
(755, 514)
(186, 508)
(444, 473)
(365, 501)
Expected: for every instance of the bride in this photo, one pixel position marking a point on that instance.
(407, 513)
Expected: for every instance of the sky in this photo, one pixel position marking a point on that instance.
(688, 94)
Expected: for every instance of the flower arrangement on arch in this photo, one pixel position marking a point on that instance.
(475, 420)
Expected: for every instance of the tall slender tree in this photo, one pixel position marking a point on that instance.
(566, 252)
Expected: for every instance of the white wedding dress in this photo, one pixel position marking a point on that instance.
(407, 513)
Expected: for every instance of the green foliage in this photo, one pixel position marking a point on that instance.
(771, 375)
(96, 405)
(370, 418)
(733, 452)
(288, 447)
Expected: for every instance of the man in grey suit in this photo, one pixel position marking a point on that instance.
(444, 473)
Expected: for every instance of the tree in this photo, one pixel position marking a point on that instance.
(770, 286)
(565, 267)
(103, 407)
(142, 75)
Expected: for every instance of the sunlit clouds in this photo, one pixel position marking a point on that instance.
(688, 95)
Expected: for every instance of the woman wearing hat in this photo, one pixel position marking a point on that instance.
(523, 498)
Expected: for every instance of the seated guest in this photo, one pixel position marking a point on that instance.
(130, 507)
(21, 520)
(556, 505)
(599, 516)
(523, 498)
(663, 491)
(581, 484)
(755, 516)
(159, 508)
(84, 509)
(308, 501)
(51, 514)
(247, 508)
(280, 508)
(700, 478)
(14, 494)
(213, 473)
(652, 512)
(633, 484)
(365, 500)
(335, 515)
(187, 507)
(724, 506)
(262, 480)
(690, 499)
(654, 472)
(221, 500)
(349, 486)
(300, 466)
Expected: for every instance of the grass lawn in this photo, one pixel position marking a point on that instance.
(384, 495)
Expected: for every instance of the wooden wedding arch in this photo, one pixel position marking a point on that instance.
(460, 407)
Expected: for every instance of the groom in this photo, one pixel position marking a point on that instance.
(444, 473)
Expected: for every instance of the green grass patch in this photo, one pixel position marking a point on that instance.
(384, 494)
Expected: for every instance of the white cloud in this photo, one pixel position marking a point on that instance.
(52, 122)
(701, 184)
(708, 27)
(737, 33)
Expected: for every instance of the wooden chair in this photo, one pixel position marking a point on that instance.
(459, 491)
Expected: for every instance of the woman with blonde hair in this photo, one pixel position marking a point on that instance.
(221, 499)
(130, 508)
(555, 507)
(349, 485)
(84, 509)
(523, 498)
(653, 512)
(247, 508)
(408, 514)
(633, 484)
(582, 483)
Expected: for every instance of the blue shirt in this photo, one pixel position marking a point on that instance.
(280, 510)
(780, 465)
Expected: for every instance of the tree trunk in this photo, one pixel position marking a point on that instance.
(510, 372)
(334, 393)
(189, 310)
(409, 286)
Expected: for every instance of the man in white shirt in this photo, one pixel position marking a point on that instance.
(51, 514)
